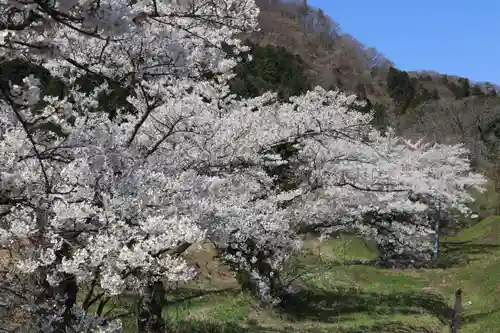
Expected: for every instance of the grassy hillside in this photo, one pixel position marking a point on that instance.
(336, 292)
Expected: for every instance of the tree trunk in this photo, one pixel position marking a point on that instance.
(276, 287)
(149, 316)
(68, 291)
(64, 295)
(437, 225)
(265, 270)
(261, 267)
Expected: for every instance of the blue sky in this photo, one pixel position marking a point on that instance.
(457, 37)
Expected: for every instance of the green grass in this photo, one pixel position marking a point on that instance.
(336, 293)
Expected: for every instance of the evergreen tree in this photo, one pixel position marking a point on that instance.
(476, 90)
(401, 87)
(490, 89)
(435, 94)
(271, 69)
(464, 87)
(380, 118)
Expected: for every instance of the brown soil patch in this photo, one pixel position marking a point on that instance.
(211, 271)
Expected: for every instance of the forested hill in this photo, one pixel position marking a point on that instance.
(335, 59)
(299, 46)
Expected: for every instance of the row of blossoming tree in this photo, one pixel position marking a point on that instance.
(94, 206)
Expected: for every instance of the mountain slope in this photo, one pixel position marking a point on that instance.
(336, 59)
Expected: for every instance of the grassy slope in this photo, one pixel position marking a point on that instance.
(340, 295)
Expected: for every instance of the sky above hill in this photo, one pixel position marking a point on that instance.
(455, 37)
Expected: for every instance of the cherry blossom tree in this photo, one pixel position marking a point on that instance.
(113, 204)
(96, 206)
(389, 192)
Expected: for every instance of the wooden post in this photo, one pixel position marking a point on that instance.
(455, 320)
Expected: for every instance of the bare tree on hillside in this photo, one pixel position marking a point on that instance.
(337, 60)
(474, 121)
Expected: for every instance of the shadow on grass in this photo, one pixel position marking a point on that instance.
(193, 326)
(455, 254)
(208, 327)
(389, 328)
(342, 304)
(396, 327)
(177, 296)
(182, 295)
(375, 263)
(332, 264)
(477, 317)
